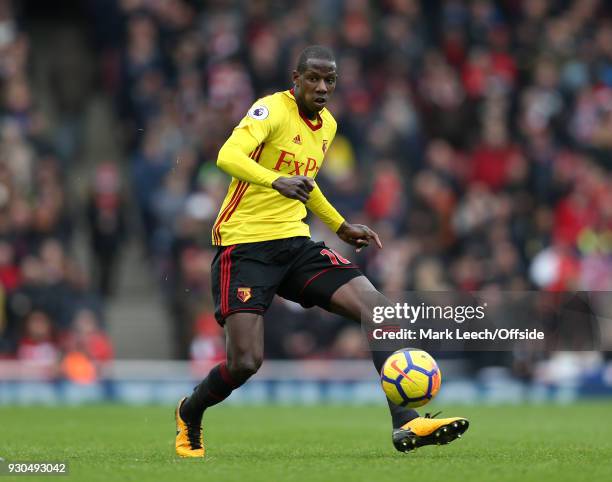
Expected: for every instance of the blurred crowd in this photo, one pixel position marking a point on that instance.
(50, 315)
(474, 136)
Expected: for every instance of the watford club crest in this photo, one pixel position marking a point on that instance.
(244, 294)
(324, 146)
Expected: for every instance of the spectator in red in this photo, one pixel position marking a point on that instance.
(207, 344)
(493, 159)
(10, 277)
(87, 337)
(38, 344)
(571, 217)
(386, 200)
(87, 349)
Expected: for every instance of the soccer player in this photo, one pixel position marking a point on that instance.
(264, 247)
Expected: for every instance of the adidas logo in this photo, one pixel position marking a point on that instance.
(297, 140)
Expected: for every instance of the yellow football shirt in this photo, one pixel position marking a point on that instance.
(271, 141)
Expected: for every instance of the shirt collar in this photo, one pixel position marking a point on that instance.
(309, 123)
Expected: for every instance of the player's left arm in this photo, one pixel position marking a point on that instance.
(357, 235)
(319, 205)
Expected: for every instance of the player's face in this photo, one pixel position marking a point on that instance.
(315, 85)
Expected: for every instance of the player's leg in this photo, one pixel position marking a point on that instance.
(355, 298)
(321, 276)
(244, 334)
(244, 281)
(352, 300)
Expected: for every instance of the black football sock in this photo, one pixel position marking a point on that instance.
(399, 415)
(215, 388)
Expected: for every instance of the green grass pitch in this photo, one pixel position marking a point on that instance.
(108, 443)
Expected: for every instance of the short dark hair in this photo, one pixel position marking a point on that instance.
(314, 52)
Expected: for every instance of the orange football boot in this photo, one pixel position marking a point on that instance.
(428, 430)
(189, 441)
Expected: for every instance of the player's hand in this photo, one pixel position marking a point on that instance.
(296, 187)
(357, 235)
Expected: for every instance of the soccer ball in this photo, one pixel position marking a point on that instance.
(410, 377)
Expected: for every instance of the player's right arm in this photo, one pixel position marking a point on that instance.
(254, 129)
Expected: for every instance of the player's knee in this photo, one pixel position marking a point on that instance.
(244, 366)
(368, 303)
